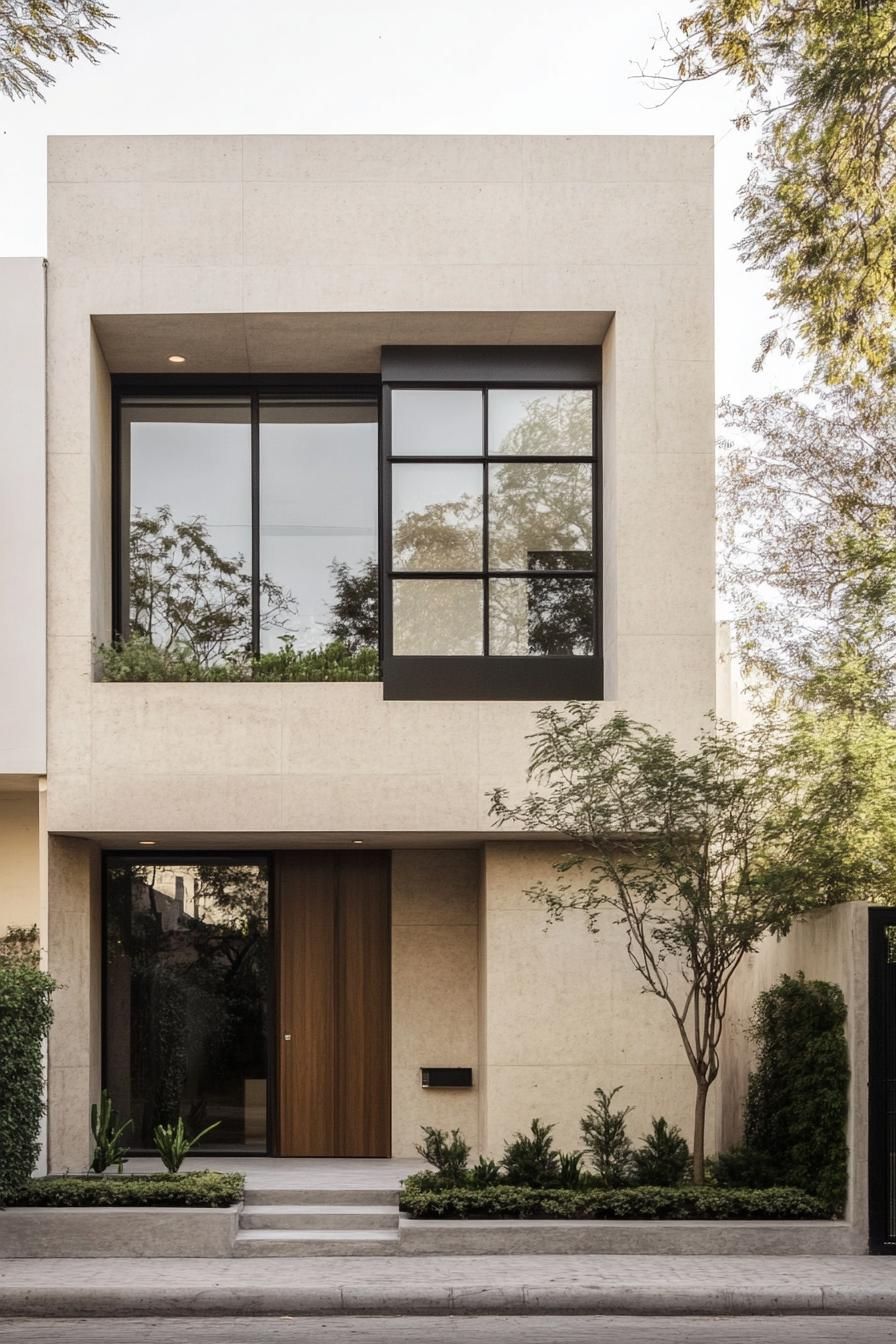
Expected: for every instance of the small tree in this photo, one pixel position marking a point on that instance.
(691, 852)
(25, 1017)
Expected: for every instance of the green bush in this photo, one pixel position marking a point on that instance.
(603, 1133)
(447, 1154)
(531, 1159)
(195, 1189)
(485, 1173)
(138, 659)
(25, 1016)
(798, 1095)
(691, 1201)
(664, 1157)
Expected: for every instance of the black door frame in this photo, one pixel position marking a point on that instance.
(881, 1080)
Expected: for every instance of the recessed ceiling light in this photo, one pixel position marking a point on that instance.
(177, 359)
(146, 842)
(357, 842)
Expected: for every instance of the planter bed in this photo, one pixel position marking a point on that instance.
(79, 1217)
(568, 1236)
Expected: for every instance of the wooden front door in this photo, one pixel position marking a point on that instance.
(333, 1004)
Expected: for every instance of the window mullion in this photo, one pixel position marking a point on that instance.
(485, 612)
(256, 528)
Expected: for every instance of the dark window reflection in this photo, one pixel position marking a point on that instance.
(186, 998)
(541, 616)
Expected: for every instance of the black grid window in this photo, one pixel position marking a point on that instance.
(491, 538)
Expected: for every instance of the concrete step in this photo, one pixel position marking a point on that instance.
(308, 1217)
(289, 1195)
(263, 1243)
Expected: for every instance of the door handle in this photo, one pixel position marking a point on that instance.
(287, 1036)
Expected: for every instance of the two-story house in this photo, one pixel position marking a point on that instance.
(445, 403)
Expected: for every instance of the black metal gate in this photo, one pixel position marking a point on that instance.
(882, 1081)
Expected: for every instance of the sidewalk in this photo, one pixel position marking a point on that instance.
(437, 1286)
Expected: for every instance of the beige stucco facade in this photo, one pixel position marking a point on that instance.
(254, 255)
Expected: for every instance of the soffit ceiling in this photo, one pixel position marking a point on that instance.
(319, 342)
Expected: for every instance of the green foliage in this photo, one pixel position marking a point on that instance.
(798, 1095)
(195, 1189)
(485, 1173)
(603, 1133)
(25, 1016)
(820, 203)
(531, 1159)
(570, 1172)
(34, 34)
(173, 1145)
(808, 511)
(20, 944)
(688, 1201)
(664, 1157)
(448, 1154)
(688, 850)
(138, 659)
(107, 1135)
(355, 608)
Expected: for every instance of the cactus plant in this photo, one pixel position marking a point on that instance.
(107, 1135)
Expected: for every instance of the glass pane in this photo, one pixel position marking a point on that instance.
(436, 516)
(437, 616)
(532, 423)
(540, 515)
(186, 998)
(190, 525)
(319, 502)
(541, 616)
(433, 423)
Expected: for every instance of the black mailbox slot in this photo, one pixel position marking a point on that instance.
(446, 1077)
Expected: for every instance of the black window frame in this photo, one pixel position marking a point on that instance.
(488, 676)
(360, 388)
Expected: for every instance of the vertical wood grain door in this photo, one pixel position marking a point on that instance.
(333, 1004)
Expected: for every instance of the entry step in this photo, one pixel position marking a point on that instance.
(287, 1194)
(310, 1217)
(261, 1242)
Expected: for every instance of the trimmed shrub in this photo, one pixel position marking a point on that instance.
(603, 1133)
(664, 1158)
(531, 1159)
(485, 1173)
(25, 1016)
(448, 1154)
(691, 1201)
(195, 1189)
(798, 1095)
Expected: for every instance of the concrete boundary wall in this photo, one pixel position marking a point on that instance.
(826, 945)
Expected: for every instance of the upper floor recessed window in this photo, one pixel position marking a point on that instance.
(248, 528)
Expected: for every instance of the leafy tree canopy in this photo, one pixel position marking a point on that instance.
(36, 33)
(808, 508)
(820, 203)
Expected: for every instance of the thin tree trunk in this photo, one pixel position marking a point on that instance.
(700, 1131)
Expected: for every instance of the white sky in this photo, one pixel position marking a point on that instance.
(402, 66)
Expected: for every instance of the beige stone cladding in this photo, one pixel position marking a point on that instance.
(564, 1013)
(435, 934)
(19, 857)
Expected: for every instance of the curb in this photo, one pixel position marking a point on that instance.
(274, 1300)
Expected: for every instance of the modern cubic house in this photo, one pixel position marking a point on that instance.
(433, 415)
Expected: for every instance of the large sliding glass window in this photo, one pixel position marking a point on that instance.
(248, 521)
(492, 533)
(186, 997)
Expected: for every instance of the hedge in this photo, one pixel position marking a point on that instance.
(195, 1189)
(645, 1201)
(25, 1016)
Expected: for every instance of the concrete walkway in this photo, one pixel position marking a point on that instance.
(435, 1286)
(299, 1173)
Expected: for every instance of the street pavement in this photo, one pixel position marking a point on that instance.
(432, 1286)
(458, 1330)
